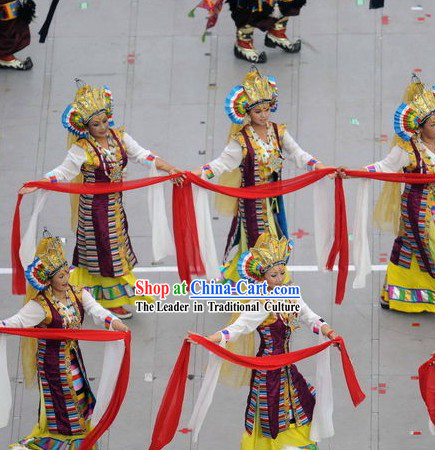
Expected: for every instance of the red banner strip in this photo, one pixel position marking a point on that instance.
(170, 408)
(169, 413)
(410, 178)
(90, 335)
(186, 233)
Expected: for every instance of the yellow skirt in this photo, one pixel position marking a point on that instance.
(297, 437)
(409, 290)
(109, 292)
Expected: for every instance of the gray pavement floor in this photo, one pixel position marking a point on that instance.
(337, 96)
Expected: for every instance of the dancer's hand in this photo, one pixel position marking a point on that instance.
(341, 172)
(320, 166)
(119, 325)
(179, 180)
(29, 190)
(197, 172)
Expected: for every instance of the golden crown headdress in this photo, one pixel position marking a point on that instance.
(255, 89)
(268, 252)
(414, 112)
(49, 259)
(88, 102)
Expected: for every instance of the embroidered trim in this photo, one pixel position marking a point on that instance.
(9, 11)
(150, 158)
(371, 168)
(311, 163)
(108, 321)
(208, 171)
(226, 334)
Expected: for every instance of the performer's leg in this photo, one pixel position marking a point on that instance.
(277, 37)
(244, 47)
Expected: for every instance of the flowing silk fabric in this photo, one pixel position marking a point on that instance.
(172, 402)
(170, 409)
(426, 378)
(186, 233)
(18, 279)
(360, 239)
(88, 335)
(341, 242)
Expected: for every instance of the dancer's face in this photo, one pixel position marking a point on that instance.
(275, 276)
(99, 126)
(260, 114)
(428, 129)
(59, 281)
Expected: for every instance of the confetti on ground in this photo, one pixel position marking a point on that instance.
(84, 5)
(382, 391)
(414, 377)
(148, 377)
(417, 8)
(415, 324)
(382, 385)
(421, 19)
(383, 257)
(418, 70)
(350, 237)
(300, 233)
(354, 121)
(415, 433)
(185, 430)
(385, 20)
(131, 58)
(374, 388)
(359, 2)
(428, 15)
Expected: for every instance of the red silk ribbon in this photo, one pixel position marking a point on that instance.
(185, 230)
(186, 233)
(170, 408)
(90, 335)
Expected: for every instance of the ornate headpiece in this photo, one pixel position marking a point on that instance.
(416, 111)
(256, 89)
(49, 259)
(268, 252)
(88, 102)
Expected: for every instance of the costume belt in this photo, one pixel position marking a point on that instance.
(9, 11)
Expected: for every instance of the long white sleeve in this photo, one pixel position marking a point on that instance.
(136, 152)
(393, 162)
(300, 157)
(100, 315)
(30, 315)
(246, 323)
(228, 160)
(309, 318)
(70, 167)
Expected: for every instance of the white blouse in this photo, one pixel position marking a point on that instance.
(32, 313)
(232, 155)
(396, 160)
(248, 321)
(77, 156)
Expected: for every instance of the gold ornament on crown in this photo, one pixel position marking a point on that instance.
(270, 251)
(90, 101)
(258, 88)
(423, 102)
(50, 254)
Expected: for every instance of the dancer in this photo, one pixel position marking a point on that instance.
(271, 16)
(66, 399)
(255, 152)
(103, 254)
(280, 402)
(15, 17)
(410, 280)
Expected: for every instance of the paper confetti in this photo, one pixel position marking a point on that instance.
(84, 5)
(148, 377)
(354, 121)
(415, 433)
(385, 20)
(300, 233)
(415, 324)
(359, 2)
